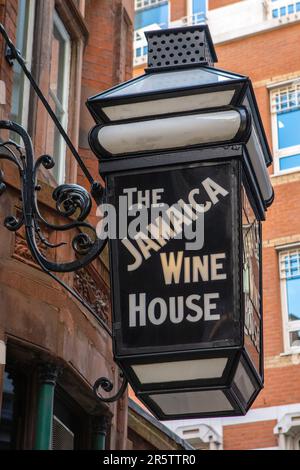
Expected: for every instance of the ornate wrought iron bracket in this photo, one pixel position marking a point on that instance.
(106, 385)
(73, 203)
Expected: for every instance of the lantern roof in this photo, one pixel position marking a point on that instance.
(168, 80)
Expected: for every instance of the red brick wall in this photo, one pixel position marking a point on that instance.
(220, 3)
(178, 9)
(282, 387)
(262, 56)
(249, 436)
(273, 338)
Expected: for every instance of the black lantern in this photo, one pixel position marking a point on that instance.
(185, 142)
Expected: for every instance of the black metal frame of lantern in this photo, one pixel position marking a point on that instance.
(184, 355)
(157, 373)
(181, 87)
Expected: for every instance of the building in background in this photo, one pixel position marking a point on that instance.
(257, 38)
(51, 348)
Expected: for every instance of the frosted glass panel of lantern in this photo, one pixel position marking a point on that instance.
(169, 81)
(175, 132)
(243, 383)
(180, 371)
(258, 162)
(192, 402)
(179, 104)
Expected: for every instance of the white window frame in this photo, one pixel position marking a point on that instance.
(288, 326)
(61, 158)
(289, 151)
(190, 8)
(28, 61)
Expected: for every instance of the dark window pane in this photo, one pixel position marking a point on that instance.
(7, 414)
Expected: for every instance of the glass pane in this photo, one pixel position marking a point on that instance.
(57, 64)
(169, 80)
(18, 75)
(288, 128)
(199, 6)
(243, 383)
(287, 163)
(192, 402)
(54, 139)
(58, 95)
(157, 15)
(7, 414)
(282, 11)
(293, 298)
(251, 280)
(294, 339)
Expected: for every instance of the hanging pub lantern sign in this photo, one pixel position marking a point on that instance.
(184, 156)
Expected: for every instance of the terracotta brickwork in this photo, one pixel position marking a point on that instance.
(251, 436)
(178, 9)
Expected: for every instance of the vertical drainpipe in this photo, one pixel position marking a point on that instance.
(100, 428)
(47, 380)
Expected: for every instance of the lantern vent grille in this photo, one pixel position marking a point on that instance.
(180, 47)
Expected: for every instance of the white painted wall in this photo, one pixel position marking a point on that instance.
(244, 18)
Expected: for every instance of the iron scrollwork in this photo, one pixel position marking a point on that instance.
(72, 202)
(106, 385)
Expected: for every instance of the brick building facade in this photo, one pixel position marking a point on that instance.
(258, 39)
(51, 348)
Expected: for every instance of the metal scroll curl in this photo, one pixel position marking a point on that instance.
(106, 385)
(72, 202)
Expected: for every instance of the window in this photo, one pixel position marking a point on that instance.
(151, 12)
(69, 424)
(197, 11)
(7, 414)
(12, 413)
(285, 107)
(289, 262)
(283, 8)
(24, 38)
(59, 95)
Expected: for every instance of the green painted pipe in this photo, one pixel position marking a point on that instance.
(44, 419)
(99, 441)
